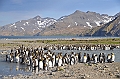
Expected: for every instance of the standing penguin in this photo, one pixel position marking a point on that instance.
(7, 56)
(79, 57)
(34, 64)
(72, 60)
(36, 60)
(56, 63)
(45, 64)
(40, 63)
(17, 58)
(45, 67)
(53, 62)
(53, 59)
(88, 58)
(11, 57)
(28, 62)
(96, 59)
(64, 61)
(109, 58)
(76, 58)
(103, 55)
(50, 64)
(112, 57)
(84, 58)
(60, 61)
(101, 60)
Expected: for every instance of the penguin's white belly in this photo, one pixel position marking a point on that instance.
(107, 48)
(53, 63)
(109, 57)
(28, 62)
(113, 58)
(41, 65)
(92, 48)
(26, 53)
(11, 59)
(50, 64)
(72, 61)
(79, 48)
(60, 62)
(95, 59)
(36, 62)
(84, 59)
(17, 59)
(101, 58)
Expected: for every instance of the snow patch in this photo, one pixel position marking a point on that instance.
(98, 18)
(69, 25)
(46, 22)
(97, 22)
(88, 24)
(27, 23)
(22, 28)
(38, 22)
(24, 24)
(38, 28)
(62, 18)
(15, 26)
(76, 23)
(106, 19)
(12, 25)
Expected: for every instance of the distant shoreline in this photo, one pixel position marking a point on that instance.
(58, 38)
(8, 43)
(50, 37)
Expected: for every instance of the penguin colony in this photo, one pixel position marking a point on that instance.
(36, 57)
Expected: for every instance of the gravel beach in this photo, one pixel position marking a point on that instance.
(76, 71)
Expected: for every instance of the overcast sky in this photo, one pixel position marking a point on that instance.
(15, 10)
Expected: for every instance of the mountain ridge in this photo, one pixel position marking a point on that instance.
(73, 24)
(110, 29)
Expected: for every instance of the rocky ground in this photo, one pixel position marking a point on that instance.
(77, 71)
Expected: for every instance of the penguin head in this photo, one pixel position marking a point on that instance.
(112, 53)
(84, 54)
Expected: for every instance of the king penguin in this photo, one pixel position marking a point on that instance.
(72, 60)
(109, 58)
(112, 57)
(84, 58)
(17, 58)
(96, 59)
(60, 61)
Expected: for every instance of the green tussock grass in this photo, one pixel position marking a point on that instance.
(73, 41)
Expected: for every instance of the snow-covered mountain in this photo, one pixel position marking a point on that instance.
(111, 28)
(73, 24)
(27, 27)
(76, 23)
